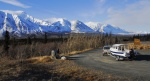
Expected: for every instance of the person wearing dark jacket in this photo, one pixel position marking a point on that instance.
(131, 54)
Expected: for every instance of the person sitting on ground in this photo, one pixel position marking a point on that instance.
(57, 53)
(53, 54)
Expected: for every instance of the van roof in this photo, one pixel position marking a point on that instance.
(107, 46)
(118, 44)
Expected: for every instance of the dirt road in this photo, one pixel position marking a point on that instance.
(138, 69)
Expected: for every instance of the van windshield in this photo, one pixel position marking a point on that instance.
(123, 47)
(106, 47)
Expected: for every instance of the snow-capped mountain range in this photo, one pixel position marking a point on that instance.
(19, 23)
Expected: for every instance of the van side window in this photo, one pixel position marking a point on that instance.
(122, 49)
(119, 48)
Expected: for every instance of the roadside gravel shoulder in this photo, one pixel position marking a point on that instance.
(137, 69)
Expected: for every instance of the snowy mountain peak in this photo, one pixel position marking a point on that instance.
(24, 16)
(57, 21)
(96, 26)
(52, 20)
(13, 12)
(105, 28)
(79, 27)
(19, 23)
(76, 22)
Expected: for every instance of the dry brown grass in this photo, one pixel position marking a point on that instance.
(41, 59)
(139, 47)
(57, 70)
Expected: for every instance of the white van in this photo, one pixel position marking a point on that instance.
(120, 51)
(106, 50)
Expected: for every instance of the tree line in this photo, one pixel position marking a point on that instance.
(73, 42)
(145, 37)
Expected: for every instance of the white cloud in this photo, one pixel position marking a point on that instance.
(15, 3)
(134, 17)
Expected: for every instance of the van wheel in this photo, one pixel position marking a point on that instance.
(117, 58)
(103, 54)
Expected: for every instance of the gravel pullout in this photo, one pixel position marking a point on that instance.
(138, 69)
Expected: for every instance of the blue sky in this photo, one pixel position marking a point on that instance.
(131, 15)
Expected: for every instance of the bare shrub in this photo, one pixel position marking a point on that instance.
(141, 47)
(77, 42)
(81, 42)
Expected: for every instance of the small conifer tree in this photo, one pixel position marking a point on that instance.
(29, 40)
(116, 40)
(14, 42)
(45, 37)
(6, 42)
